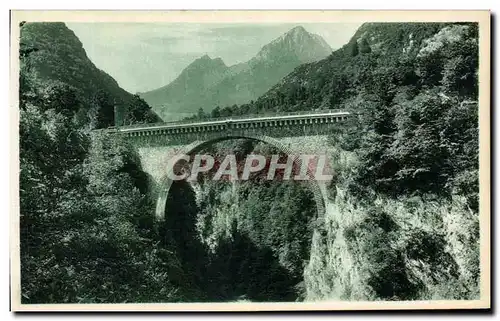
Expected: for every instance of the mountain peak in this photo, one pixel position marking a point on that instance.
(297, 30)
(206, 62)
(296, 42)
(296, 34)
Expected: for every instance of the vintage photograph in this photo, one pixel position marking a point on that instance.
(232, 162)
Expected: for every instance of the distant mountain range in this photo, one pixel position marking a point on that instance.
(207, 83)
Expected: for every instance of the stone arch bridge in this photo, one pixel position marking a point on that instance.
(293, 133)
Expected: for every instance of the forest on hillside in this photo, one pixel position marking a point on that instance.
(402, 220)
(414, 101)
(86, 230)
(406, 194)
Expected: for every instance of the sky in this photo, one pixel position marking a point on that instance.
(146, 56)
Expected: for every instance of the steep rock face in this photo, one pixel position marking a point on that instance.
(208, 83)
(55, 56)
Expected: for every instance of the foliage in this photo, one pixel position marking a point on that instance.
(364, 47)
(85, 220)
(245, 229)
(138, 111)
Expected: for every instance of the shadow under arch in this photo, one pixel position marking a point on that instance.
(318, 189)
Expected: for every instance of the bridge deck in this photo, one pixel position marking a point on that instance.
(234, 120)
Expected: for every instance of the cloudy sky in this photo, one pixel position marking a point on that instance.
(145, 56)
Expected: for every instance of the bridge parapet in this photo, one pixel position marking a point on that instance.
(276, 125)
(236, 118)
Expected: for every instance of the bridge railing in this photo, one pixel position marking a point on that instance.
(247, 116)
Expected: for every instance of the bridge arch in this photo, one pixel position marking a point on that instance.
(318, 188)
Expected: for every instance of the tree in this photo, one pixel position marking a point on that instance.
(460, 71)
(85, 223)
(201, 113)
(215, 112)
(353, 48)
(102, 110)
(138, 111)
(364, 47)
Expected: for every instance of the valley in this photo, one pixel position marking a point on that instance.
(402, 217)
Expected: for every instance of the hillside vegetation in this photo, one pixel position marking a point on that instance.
(87, 232)
(403, 219)
(412, 90)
